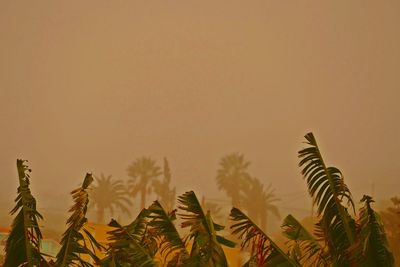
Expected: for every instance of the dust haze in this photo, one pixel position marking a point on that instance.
(91, 86)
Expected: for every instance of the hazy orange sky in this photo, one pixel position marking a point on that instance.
(92, 85)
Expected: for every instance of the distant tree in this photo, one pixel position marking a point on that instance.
(166, 195)
(214, 209)
(108, 194)
(259, 201)
(142, 172)
(232, 176)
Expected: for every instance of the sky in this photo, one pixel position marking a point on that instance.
(89, 86)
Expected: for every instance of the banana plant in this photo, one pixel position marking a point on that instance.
(303, 247)
(172, 247)
(23, 242)
(371, 248)
(264, 252)
(152, 237)
(77, 240)
(329, 192)
(206, 243)
(130, 245)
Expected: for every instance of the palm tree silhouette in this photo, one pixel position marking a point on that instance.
(232, 176)
(108, 194)
(142, 171)
(166, 196)
(259, 201)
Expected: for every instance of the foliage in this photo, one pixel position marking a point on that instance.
(152, 236)
(206, 244)
(152, 239)
(23, 242)
(170, 245)
(391, 220)
(142, 172)
(264, 252)
(109, 194)
(371, 248)
(328, 190)
(129, 244)
(303, 247)
(76, 239)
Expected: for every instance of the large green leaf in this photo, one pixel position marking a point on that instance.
(371, 248)
(303, 247)
(23, 242)
(264, 252)
(131, 245)
(206, 249)
(327, 187)
(168, 237)
(76, 240)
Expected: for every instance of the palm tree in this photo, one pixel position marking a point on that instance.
(232, 176)
(165, 194)
(108, 194)
(259, 201)
(142, 171)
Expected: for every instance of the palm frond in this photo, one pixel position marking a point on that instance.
(328, 190)
(76, 239)
(206, 244)
(23, 242)
(371, 248)
(303, 247)
(264, 252)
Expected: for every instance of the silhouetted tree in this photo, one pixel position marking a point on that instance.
(108, 194)
(142, 171)
(232, 176)
(165, 194)
(259, 201)
(214, 209)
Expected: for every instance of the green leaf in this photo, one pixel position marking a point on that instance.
(168, 237)
(74, 238)
(371, 248)
(303, 247)
(327, 187)
(264, 252)
(131, 245)
(206, 250)
(23, 242)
